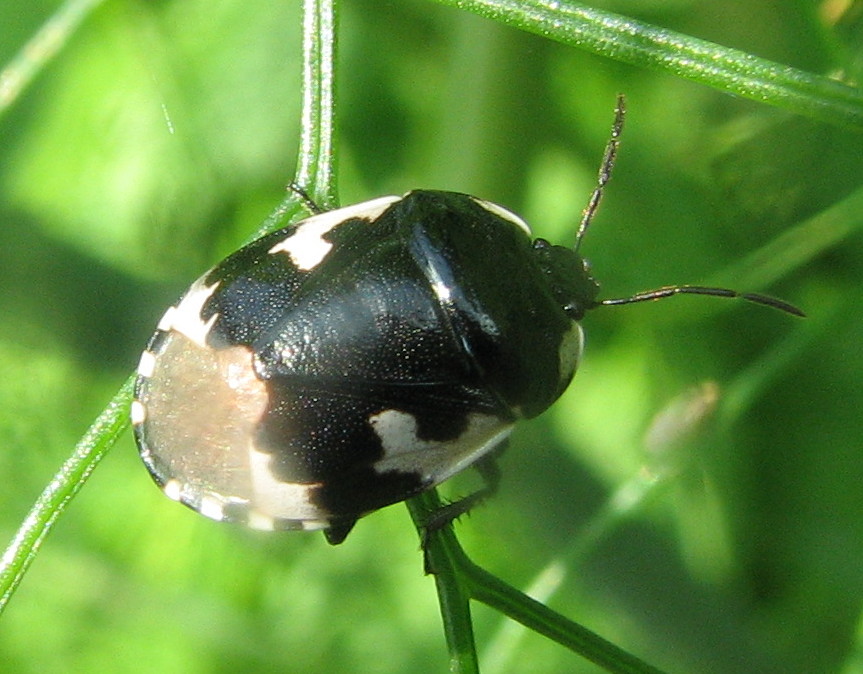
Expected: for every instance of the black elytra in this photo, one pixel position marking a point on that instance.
(362, 356)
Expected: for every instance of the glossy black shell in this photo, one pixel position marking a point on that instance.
(398, 351)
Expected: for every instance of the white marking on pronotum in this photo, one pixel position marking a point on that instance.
(167, 319)
(306, 245)
(504, 213)
(185, 318)
(138, 413)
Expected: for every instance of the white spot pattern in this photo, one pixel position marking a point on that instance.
(434, 461)
(147, 364)
(185, 318)
(138, 413)
(173, 490)
(504, 213)
(306, 245)
(211, 506)
(282, 500)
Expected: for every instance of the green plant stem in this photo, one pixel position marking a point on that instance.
(444, 558)
(644, 45)
(459, 579)
(316, 161)
(98, 439)
(501, 596)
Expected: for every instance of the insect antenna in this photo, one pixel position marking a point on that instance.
(604, 176)
(668, 291)
(605, 169)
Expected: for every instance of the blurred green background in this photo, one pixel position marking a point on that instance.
(163, 134)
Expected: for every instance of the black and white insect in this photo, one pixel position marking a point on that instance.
(364, 355)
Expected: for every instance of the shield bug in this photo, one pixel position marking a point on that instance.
(363, 355)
